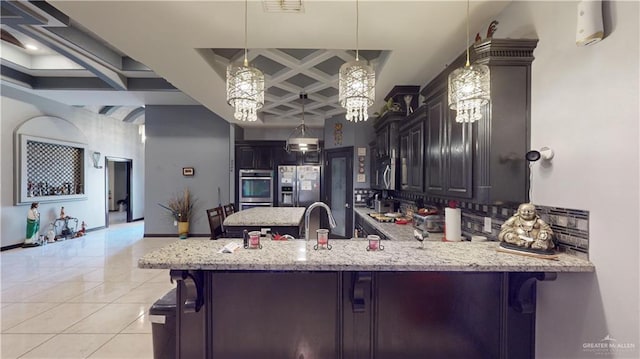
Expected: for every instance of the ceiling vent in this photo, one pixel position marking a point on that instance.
(283, 5)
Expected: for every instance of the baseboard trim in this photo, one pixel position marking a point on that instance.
(95, 229)
(13, 246)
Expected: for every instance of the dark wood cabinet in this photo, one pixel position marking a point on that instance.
(249, 157)
(502, 174)
(386, 127)
(415, 164)
(434, 146)
(373, 169)
(483, 161)
(311, 158)
(270, 155)
(448, 169)
(382, 141)
(404, 160)
(458, 158)
(412, 152)
(401, 100)
(282, 157)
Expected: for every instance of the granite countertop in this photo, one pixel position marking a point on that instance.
(266, 216)
(351, 255)
(396, 232)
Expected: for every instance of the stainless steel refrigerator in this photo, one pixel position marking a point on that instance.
(298, 186)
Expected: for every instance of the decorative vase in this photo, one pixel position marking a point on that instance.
(183, 229)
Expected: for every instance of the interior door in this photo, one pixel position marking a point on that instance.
(118, 179)
(338, 194)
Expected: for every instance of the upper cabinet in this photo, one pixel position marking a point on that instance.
(483, 161)
(448, 162)
(399, 103)
(254, 157)
(386, 127)
(268, 155)
(412, 150)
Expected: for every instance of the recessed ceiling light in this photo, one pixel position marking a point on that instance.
(31, 47)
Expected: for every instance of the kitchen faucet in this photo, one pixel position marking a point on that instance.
(332, 221)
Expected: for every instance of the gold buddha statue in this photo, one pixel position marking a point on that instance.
(526, 229)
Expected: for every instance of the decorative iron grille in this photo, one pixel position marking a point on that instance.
(53, 169)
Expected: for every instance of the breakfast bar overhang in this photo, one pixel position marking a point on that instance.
(287, 300)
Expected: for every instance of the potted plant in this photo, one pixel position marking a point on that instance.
(181, 208)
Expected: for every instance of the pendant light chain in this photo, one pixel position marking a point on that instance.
(357, 30)
(246, 45)
(467, 43)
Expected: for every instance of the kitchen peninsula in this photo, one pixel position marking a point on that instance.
(287, 300)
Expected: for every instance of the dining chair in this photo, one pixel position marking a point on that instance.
(216, 217)
(228, 209)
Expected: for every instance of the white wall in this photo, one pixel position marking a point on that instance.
(109, 136)
(585, 107)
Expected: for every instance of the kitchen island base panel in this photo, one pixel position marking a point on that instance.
(288, 314)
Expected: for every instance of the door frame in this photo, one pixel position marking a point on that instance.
(129, 165)
(346, 152)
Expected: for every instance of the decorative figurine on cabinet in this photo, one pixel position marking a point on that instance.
(525, 230)
(33, 226)
(493, 26)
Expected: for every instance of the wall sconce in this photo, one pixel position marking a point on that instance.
(545, 153)
(95, 156)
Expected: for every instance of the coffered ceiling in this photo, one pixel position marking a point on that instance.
(117, 56)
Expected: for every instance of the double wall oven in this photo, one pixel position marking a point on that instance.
(256, 188)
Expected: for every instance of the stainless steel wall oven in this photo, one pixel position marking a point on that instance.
(256, 188)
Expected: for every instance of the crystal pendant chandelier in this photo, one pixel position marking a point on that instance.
(357, 85)
(245, 85)
(469, 88)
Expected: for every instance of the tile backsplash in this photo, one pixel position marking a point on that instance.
(570, 226)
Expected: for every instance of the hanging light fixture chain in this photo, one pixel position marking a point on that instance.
(246, 45)
(467, 43)
(357, 30)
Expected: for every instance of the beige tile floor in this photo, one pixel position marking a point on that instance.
(81, 298)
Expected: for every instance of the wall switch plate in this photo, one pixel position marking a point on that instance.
(358, 197)
(487, 224)
(264, 231)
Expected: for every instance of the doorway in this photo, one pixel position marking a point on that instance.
(339, 189)
(118, 190)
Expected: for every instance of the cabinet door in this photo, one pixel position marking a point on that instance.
(282, 157)
(263, 158)
(311, 158)
(302, 315)
(404, 159)
(373, 175)
(416, 169)
(383, 142)
(245, 158)
(459, 174)
(435, 134)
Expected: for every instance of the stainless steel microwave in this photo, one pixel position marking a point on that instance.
(386, 174)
